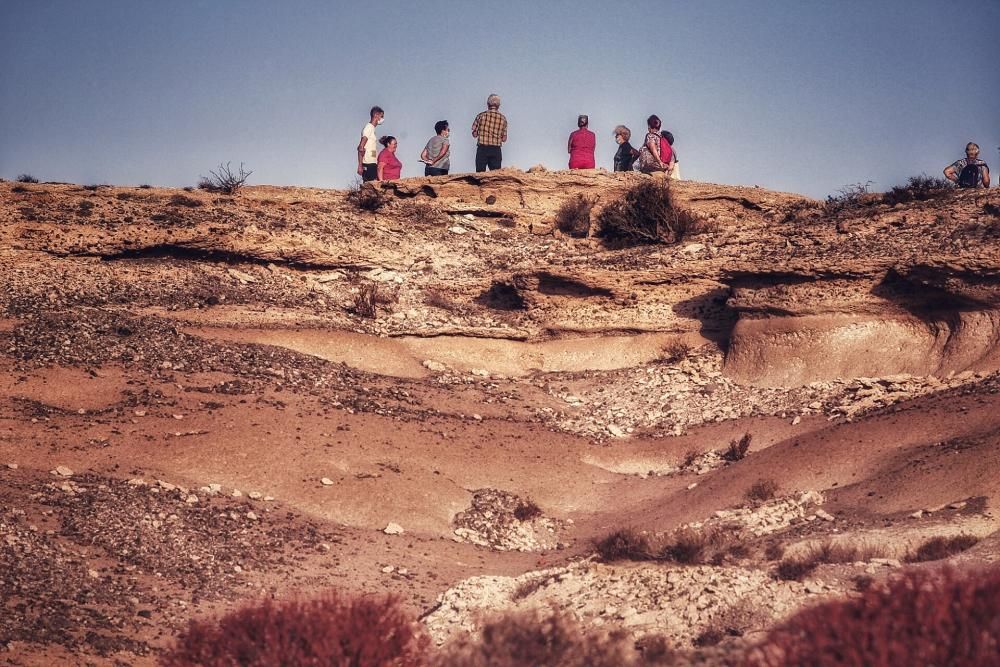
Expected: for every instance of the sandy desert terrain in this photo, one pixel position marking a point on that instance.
(193, 413)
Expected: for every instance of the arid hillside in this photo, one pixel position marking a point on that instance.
(428, 389)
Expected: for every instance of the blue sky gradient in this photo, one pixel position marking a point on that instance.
(794, 95)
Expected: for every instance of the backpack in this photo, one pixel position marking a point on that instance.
(666, 152)
(969, 178)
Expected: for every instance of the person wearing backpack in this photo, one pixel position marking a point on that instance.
(656, 152)
(970, 172)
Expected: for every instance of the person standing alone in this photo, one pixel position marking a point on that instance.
(581, 145)
(368, 146)
(490, 129)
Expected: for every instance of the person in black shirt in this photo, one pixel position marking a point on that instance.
(626, 155)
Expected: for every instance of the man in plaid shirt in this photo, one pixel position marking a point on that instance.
(490, 128)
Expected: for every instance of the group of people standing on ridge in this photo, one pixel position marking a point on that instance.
(490, 131)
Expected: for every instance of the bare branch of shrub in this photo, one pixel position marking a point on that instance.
(224, 180)
(26, 178)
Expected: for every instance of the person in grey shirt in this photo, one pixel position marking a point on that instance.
(437, 153)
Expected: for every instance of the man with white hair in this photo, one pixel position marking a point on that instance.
(490, 128)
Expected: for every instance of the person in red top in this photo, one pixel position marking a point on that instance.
(581, 145)
(389, 166)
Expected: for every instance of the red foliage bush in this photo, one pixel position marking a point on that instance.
(329, 630)
(922, 617)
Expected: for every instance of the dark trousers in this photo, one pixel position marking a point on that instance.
(434, 171)
(488, 157)
(369, 172)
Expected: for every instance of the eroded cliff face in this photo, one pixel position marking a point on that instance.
(792, 295)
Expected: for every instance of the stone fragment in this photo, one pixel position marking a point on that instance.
(393, 529)
(62, 471)
(326, 481)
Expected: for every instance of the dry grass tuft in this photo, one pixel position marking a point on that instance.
(527, 510)
(800, 566)
(421, 213)
(674, 352)
(939, 548)
(184, 200)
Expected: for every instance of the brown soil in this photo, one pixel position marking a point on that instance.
(150, 350)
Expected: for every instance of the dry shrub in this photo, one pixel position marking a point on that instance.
(690, 457)
(421, 213)
(624, 544)
(328, 630)
(365, 196)
(223, 179)
(918, 188)
(534, 639)
(145, 186)
(851, 197)
(738, 449)
(366, 300)
(527, 510)
(939, 548)
(761, 491)
(573, 217)
(923, 617)
(184, 200)
(26, 178)
(734, 621)
(646, 214)
(690, 546)
(674, 352)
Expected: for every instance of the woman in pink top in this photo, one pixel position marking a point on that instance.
(389, 167)
(581, 145)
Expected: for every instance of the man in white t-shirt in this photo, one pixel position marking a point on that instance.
(368, 146)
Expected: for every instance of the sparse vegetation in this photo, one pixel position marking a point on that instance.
(527, 510)
(801, 565)
(734, 621)
(738, 449)
(761, 491)
(222, 179)
(533, 639)
(850, 197)
(365, 196)
(184, 200)
(26, 178)
(366, 300)
(774, 551)
(329, 630)
(146, 186)
(624, 544)
(646, 213)
(690, 546)
(675, 352)
(939, 548)
(918, 188)
(923, 617)
(573, 216)
(421, 213)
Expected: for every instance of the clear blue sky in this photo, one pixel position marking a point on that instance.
(797, 95)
